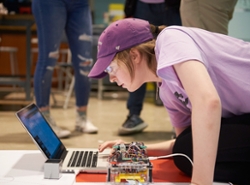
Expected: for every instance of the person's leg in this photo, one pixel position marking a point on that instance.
(172, 15)
(211, 15)
(79, 33)
(233, 162)
(135, 101)
(157, 14)
(133, 123)
(190, 14)
(49, 29)
(216, 14)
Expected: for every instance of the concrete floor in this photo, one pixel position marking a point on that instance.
(107, 114)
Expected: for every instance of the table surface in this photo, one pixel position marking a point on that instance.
(25, 167)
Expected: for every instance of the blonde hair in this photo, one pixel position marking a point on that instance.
(146, 49)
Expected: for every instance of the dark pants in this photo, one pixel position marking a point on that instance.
(157, 14)
(233, 157)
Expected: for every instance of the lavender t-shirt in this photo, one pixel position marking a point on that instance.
(227, 61)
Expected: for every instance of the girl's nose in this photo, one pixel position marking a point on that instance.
(112, 78)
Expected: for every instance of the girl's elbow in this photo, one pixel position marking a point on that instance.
(215, 103)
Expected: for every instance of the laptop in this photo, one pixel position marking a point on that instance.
(75, 160)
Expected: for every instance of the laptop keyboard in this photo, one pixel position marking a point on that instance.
(83, 159)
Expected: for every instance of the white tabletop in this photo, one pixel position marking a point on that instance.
(25, 167)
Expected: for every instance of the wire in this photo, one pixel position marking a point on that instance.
(177, 154)
(171, 155)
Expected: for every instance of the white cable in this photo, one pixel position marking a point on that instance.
(171, 155)
(178, 154)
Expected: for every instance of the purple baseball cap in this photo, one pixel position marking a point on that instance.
(118, 36)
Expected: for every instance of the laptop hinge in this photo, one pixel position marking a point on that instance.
(64, 154)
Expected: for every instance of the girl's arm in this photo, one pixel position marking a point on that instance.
(156, 149)
(160, 149)
(206, 116)
(163, 148)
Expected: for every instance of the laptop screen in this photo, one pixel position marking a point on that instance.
(41, 132)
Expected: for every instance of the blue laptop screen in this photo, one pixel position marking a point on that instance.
(41, 131)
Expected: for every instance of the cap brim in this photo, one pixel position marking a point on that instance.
(101, 64)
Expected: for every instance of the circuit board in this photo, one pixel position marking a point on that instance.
(129, 164)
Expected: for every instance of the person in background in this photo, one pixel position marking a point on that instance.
(157, 12)
(203, 82)
(211, 15)
(52, 19)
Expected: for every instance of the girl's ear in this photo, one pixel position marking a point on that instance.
(135, 55)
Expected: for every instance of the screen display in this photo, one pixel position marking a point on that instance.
(41, 131)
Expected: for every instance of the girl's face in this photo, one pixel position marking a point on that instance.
(120, 75)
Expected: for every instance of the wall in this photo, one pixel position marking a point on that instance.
(239, 26)
(100, 7)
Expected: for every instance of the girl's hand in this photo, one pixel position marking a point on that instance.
(109, 144)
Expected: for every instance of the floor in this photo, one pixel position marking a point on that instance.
(107, 114)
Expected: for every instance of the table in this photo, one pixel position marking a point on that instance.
(15, 23)
(25, 167)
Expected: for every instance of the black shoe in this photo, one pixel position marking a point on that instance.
(133, 124)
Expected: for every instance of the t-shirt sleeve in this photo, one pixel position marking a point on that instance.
(175, 100)
(174, 46)
(178, 119)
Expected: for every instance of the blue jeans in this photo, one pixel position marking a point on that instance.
(53, 18)
(157, 14)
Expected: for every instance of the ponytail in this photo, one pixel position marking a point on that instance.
(155, 30)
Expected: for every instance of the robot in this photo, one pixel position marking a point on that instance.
(129, 164)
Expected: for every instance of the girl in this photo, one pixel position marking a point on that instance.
(204, 84)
